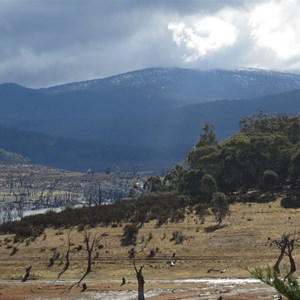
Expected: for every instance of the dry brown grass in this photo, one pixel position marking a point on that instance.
(243, 241)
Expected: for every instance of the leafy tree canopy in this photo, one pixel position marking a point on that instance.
(265, 142)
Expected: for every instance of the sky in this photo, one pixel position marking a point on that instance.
(50, 42)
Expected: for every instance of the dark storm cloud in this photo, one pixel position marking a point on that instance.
(45, 42)
(75, 38)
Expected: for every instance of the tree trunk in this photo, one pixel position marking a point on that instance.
(280, 258)
(27, 274)
(141, 282)
(290, 255)
(293, 265)
(67, 263)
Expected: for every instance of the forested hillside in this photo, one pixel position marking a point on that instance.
(148, 119)
(70, 153)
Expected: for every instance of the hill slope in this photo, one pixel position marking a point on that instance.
(78, 110)
(11, 158)
(189, 85)
(150, 118)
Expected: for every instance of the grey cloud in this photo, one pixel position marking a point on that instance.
(73, 38)
(45, 42)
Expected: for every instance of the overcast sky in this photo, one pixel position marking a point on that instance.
(47, 42)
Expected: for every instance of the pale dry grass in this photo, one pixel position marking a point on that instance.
(243, 241)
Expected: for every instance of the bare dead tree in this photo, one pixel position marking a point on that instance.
(67, 195)
(19, 205)
(93, 193)
(27, 274)
(141, 282)
(84, 287)
(67, 263)
(90, 243)
(98, 194)
(123, 281)
(286, 246)
(289, 250)
(28, 184)
(281, 245)
(10, 182)
(49, 192)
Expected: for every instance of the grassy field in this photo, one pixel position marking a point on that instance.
(244, 240)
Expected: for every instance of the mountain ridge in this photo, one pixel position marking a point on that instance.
(138, 77)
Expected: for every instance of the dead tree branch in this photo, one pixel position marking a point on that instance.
(90, 243)
(67, 263)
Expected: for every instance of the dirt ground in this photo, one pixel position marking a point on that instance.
(153, 291)
(244, 241)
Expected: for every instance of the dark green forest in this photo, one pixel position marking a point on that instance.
(264, 154)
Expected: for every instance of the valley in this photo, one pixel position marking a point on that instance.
(195, 229)
(149, 150)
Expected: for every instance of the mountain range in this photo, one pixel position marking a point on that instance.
(147, 119)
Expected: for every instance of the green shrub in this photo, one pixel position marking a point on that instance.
(270, 179)
(291, 199)
(178, 237)
(130, 233)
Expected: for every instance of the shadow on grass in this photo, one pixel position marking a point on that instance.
(213, 228)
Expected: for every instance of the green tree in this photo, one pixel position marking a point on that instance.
(174, 179)
(130, 233)
(270, 179)
(295, 166)
(191, 182)
(208, 136)
(153, 184)
(289, 287)
(208, 186)
(220, 206)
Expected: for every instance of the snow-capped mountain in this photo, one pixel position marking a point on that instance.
(190, 84)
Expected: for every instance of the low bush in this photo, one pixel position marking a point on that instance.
(130, 233)
(178, 237)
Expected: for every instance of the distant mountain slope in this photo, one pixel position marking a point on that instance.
(152, 141)
(224, 114)
(71, 153)
(81, 110)
(175, 131)
(150, 118)
(11, 158)
(190, 84)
